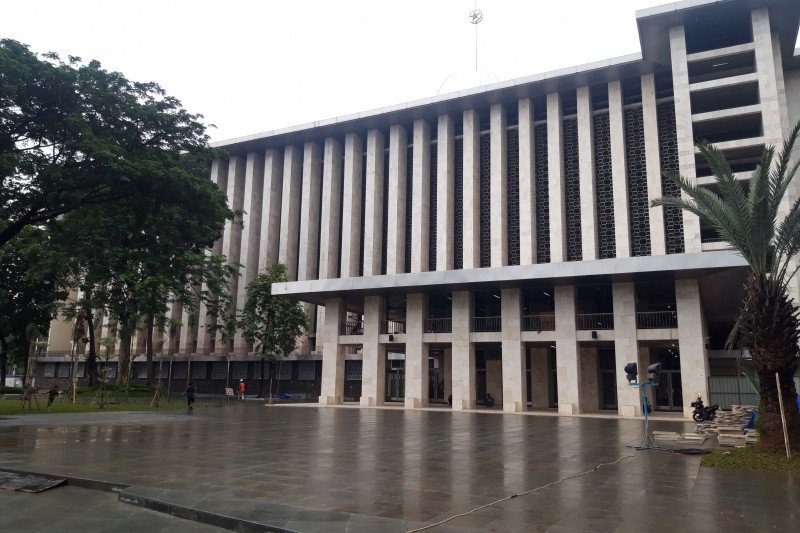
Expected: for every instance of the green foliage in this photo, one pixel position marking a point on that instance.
(750, 216)
(73, 134)
(271, 323)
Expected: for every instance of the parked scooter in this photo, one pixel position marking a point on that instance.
(702, 413)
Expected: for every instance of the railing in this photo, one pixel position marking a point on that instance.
(438, 325)
(393, 327)
(595, 320)
(711, 238)
(656, 319)
(543, 322)
(483, 324)
(731, 390)
(355, 327)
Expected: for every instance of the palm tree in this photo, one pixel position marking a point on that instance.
(747, 215)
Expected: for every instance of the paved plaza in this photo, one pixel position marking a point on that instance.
(310, 468)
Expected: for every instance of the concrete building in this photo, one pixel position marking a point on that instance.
(499, 240)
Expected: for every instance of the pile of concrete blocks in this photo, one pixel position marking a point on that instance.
(665, 435)
(731, 424)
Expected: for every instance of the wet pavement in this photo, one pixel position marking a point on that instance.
(309, 468)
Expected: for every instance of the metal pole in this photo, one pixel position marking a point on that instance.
(783, 418)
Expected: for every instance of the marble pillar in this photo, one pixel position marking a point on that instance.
(692, 343)
(472, 191)
(555, 179)
(332, 388)
(498, 196)
(616, 122)
(515, 385)
(421, 197)
(373, 373)
(290, 210)
(416, 352)
(445, 180)
(587, 180)
(351, 208)
(373, 217)
(463, 374)
(567, 363)
(527, 185)
(398, 178)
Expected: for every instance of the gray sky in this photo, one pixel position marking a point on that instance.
(252, 66)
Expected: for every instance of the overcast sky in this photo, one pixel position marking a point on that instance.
(252, 66)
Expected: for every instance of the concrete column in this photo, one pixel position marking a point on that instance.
(271, 209)
(59, 340)
(205, 336)
(331, 210)
(626, 347)
(373, 217)
(351, 209)
(527, 185)
(540, 378)
(658, 245)
(773, 115)
(416, 352)
(515, 385)
(498, 204)
(445, 199)
(398, 174)
(587, 183)
(290, 210)
(692, 346)
(590, 369)
(421, 198)
(232, 236)
(463, 374)
(616, 120)
(332, 389)
(447, 372)
(683, 123)
(373, 372)
(251, 220)
(188, 333)
(567, 364)
(555, 180)
(308, 256)
(472, 190)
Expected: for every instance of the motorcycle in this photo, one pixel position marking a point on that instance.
(702, 413)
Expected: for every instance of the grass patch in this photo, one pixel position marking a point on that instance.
(14, 406)
(752, 458)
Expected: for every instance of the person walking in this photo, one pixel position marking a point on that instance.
(241, 390)
(190, 397)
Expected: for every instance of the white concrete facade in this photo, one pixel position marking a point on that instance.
(528, 328)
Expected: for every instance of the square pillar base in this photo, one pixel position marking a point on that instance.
(462, 405)
(370, 401)
(416, 403)
(330, 400)
(630, 411)
(568, 409)
(514, 407)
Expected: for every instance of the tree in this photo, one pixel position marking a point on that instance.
(748, 216)
(271, 323)
(31, 284)
(73, 134)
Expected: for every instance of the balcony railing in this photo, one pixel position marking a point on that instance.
(595, 321)
(705, 239)
(354, 327)
(438, 325)
(656, 319)
(542, 322)
(393, 327)
(484, 324)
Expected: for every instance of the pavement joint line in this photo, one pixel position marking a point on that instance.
(85, 483)
(198, 515)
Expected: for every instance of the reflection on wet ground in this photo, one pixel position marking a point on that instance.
(411, 465)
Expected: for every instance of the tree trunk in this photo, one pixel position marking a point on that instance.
(3, 360)
(261, 383)
(149, 351)
(91, 359)
(768, 327)
(124, 356)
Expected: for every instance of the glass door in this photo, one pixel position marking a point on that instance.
(669, 393)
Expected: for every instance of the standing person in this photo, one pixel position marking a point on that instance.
(241, 390)
(190, 397)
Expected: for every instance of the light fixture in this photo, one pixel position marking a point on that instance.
(653, 371)
(631, 372)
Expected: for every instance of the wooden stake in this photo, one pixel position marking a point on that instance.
(783, 419)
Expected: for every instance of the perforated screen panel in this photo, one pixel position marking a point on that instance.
(433, 216)
(385, 221)
(572, 190)
(458, 204)
(485, 231)
(542, 200)
(512, 191)
(636, 171)
(668, 151)
(604, 195)
(409, 197)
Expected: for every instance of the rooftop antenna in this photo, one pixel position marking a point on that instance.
(475, 17)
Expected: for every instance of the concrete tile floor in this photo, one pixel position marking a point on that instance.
(308, 468)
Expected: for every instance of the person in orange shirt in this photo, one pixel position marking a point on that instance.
(241, 390)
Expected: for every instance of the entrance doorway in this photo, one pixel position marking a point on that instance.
(669, 393)
(608, 378)
(395, 380)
